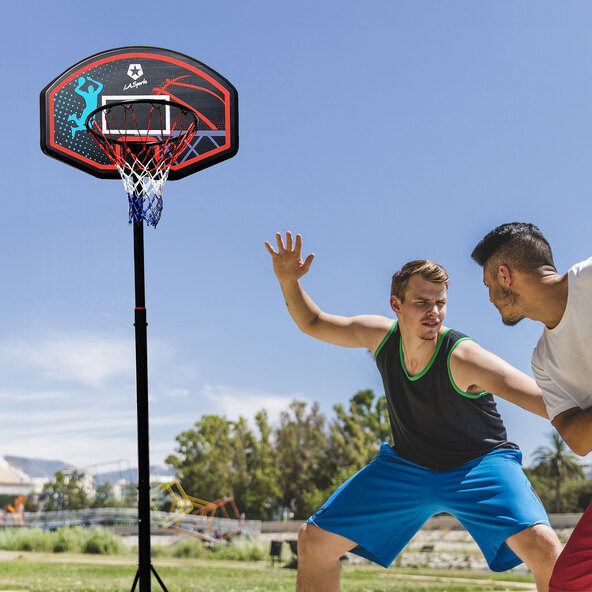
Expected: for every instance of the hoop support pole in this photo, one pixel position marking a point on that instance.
(143, 577)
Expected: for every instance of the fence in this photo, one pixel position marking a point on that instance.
(209, 528)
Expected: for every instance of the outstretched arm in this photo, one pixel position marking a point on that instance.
(475, 369)
(359, 331)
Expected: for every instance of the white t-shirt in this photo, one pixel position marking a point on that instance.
(562, 359)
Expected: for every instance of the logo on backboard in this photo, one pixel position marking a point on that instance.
(135, 72)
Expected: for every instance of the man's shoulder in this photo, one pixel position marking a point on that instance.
(389, 331)
(459, 346)
(582, 270)
(453, 336)
(454, 332)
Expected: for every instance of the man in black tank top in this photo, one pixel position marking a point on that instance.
(450, 452)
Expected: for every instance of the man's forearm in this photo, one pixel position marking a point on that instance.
(300, 305)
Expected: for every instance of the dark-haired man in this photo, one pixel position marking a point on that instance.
(450, 452)
(523, 282)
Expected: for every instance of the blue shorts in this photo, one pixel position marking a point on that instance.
(382, 506)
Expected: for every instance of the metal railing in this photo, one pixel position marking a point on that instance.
(210, 528)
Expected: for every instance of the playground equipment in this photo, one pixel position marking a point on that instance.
(183, 505)
(18, 509)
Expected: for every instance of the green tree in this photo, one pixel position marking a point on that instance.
(576, 496)
(104, 496)
(64, 492)
(221, 458)
(558, 464)
(203, 459)
(263, 494)
(301, 449)
(356, 433)
(354, 438)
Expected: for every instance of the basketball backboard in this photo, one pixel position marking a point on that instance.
(138, 73)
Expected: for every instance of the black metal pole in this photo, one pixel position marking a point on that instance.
(140, 324)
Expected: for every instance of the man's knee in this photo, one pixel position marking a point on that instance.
(304, 538)
(546, 543)
(310, 539)
(316, 542)
(539, 547)
(547, 550)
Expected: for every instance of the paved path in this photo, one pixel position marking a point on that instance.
(426, 578)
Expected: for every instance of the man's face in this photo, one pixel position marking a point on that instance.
(505, 300)
(423, 309)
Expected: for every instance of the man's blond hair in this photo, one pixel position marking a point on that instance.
(428, 270)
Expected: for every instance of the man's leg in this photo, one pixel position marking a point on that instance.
(539, 547)
(318, 559)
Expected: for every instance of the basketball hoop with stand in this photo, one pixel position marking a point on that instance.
(142, 139)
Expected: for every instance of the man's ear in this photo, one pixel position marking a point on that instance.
(505, 276)
(395, 304)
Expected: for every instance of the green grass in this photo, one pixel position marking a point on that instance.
(48, 572)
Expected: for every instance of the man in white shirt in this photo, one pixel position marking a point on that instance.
(523, 282)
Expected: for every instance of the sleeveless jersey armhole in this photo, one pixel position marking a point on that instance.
(386, 337)
(459, 391)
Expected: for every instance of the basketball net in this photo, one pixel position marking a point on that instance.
(143, 157)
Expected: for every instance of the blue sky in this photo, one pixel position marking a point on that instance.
(381, 131)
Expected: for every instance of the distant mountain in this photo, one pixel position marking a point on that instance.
(46, 469)
(37, 467)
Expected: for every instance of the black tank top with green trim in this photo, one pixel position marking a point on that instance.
(434, 423)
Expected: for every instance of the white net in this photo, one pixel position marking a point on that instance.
(144, 185)
(143, 158)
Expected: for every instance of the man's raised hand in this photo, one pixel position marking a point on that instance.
(287, 261)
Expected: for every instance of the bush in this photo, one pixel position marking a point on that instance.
(69, 539)
(191, 548)
(97, 540)
(73, 539)
(241, 550)
(102, 542)
(22, 539)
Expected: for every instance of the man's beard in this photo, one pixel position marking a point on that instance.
(510, 298)
(428, 337)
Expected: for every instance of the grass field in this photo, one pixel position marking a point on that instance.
(50, 572)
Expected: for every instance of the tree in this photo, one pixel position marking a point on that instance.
(64, 493)
(221, 458)
(301, 449)
(104, 497)
(297, 465)
(203, 459)
(263, 494)
(576, 496)
(558, 464)
(357, 433)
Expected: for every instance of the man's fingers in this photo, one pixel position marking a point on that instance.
(295, 244)
(298, 245)
(270, 249)
(280, 242)
(308, 261)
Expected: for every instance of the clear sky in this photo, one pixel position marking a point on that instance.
(382, 131)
